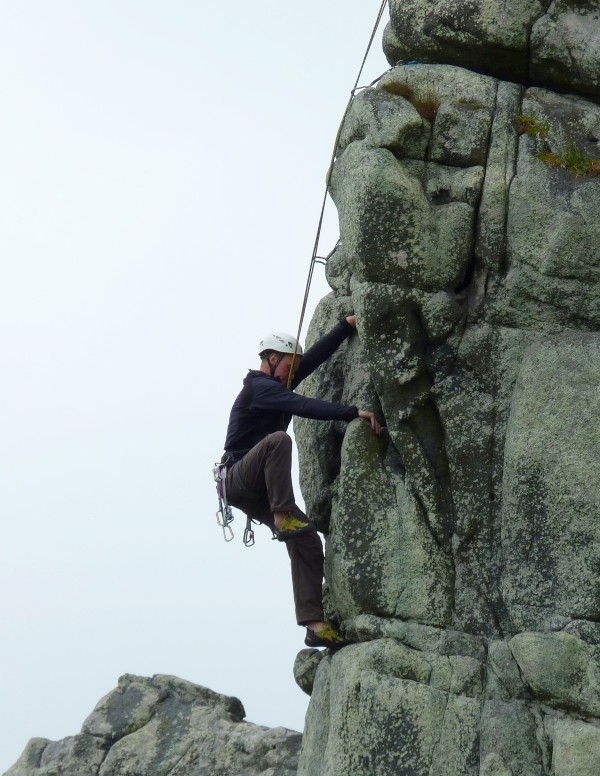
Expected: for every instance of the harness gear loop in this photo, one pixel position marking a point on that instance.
(327, 182)
(224, 512)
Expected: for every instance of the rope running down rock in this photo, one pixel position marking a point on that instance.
(327, 181)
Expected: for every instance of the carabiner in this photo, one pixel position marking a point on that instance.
(224, 518)
(248, 536)
(227, 529)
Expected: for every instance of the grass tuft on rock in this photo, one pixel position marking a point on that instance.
(529, 125)
(575, 161)
(400, 89)
(426, 102)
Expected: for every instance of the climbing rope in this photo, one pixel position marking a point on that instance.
(313, 259)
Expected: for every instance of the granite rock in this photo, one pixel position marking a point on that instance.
(462, 546)
(164, 725)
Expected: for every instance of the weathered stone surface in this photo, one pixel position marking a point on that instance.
(305, 668)
(426, 243)
(164, 725)
(72, 756)
(390, 710)
(560, 670)
(393, 545)
(461, 134)
(460, 126)
(385, 121)
(552, 277)
(576, 747)
(551, 497)
(490, 245)
(551, 43)
(512, 740)
(565, 46)
(462, 547)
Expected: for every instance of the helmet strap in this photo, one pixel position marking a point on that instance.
(273, 367)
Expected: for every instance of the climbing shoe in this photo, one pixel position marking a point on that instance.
(327, 637)
(292, 526)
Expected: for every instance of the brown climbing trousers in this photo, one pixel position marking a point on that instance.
(261, 484)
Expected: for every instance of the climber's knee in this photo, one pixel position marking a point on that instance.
(280, 439)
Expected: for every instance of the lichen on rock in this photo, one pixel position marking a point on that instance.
(462, 547)
(163, 725)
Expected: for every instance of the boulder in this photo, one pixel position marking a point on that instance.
(554, 44)
(164, 725)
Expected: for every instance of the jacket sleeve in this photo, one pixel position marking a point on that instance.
(270, 395)
(323, 348)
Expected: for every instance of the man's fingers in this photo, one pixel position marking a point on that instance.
(370, 416)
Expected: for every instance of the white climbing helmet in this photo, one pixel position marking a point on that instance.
(280, 342)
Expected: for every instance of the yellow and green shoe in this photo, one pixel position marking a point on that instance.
(326, 637)
(292, 526)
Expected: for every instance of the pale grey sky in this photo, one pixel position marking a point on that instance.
(162, 174)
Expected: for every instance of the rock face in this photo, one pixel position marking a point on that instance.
(549, 42)
(164, 725)
(463, 546)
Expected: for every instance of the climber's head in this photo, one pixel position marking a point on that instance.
(276, 352)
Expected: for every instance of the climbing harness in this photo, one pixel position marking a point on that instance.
(225, 512)
(314, 256)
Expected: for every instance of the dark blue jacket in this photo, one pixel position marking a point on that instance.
(264, 405)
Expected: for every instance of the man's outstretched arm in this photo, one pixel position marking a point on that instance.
(324, 347)
(271, 395)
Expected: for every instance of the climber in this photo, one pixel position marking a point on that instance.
(259, 455)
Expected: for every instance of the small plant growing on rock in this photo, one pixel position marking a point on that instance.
(400, 89)
(573, 160)
(426, 102)
(529, 125)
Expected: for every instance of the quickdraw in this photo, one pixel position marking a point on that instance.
(224, 512)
